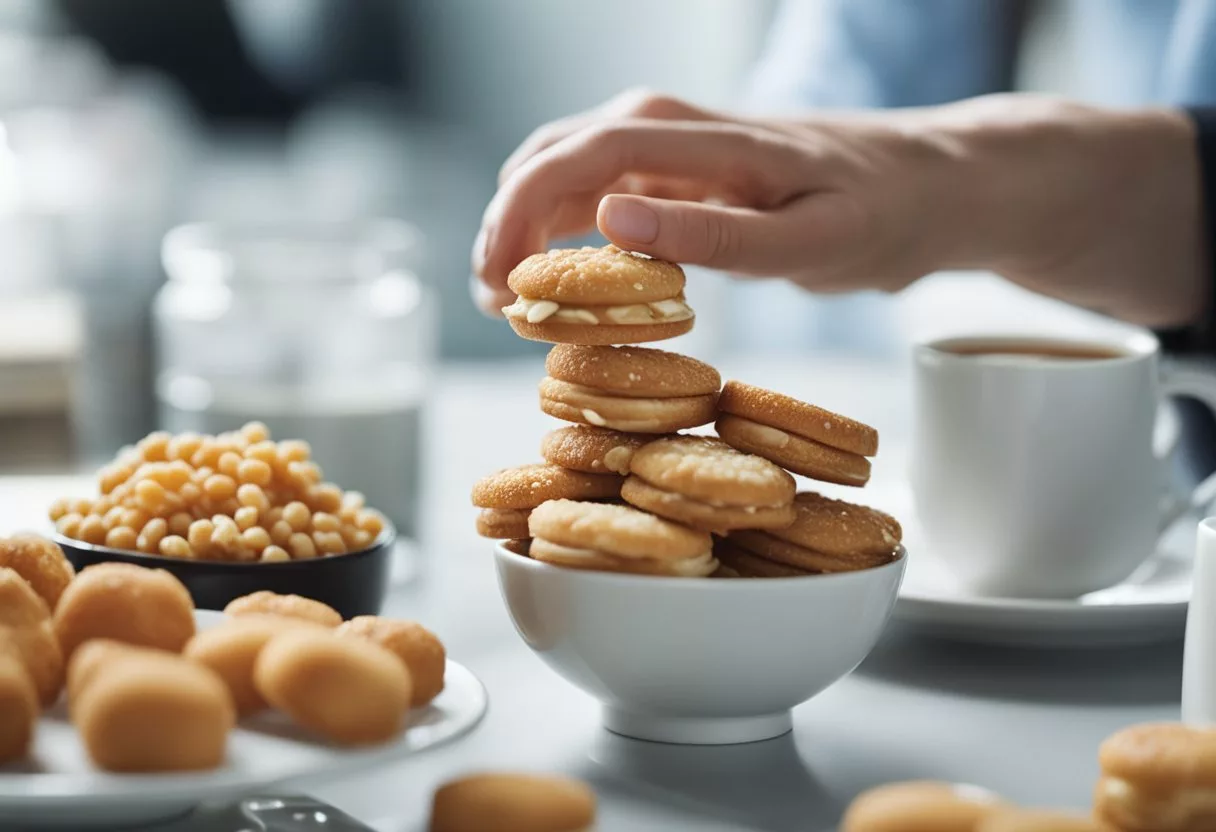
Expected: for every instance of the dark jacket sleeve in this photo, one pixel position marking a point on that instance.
(1201, 338)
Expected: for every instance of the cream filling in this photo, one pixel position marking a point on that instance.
(617, 460)
(762, 435)
(700, 565)
(535, 311)
(623, 413)
(1169, 809)
(706, 504)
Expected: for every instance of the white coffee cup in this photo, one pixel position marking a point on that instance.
(1033, 467)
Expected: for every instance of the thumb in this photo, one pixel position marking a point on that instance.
(721, 237)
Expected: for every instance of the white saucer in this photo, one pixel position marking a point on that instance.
(1148, 607)
(59, 788)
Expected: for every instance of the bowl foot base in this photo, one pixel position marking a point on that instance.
(697, 731)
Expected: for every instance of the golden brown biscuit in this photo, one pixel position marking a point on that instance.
(528, 486)
(146, 710)
(503, 523)
(25, 625)
(630, 389)
(632, 372)
(18, 705)
(806, 420)
(40, 562)
(290, 606)
(704, 483)
(765, 545)
(20, 605)
(1158, 777)
(592, 450)
(143, 607)
(601, 536)
(591, 560)
(39, 651)
(747, 565)
(826, 536)
(232, 649)
(597, 296)
(513, 803)
(351, 691)
(919, 806)
(585, 405)
(419, 648)
(90, 658)
(699, 515)
(1034, 820)
(794, 453)
(835, 527)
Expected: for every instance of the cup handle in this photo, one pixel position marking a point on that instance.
(1188, 378)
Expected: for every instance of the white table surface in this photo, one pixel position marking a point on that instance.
(1026, 724)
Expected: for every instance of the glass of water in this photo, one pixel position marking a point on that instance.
(323, 331)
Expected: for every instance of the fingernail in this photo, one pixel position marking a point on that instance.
(479, 251)
(625, 219)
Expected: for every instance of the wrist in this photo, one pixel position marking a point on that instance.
(1100, 208)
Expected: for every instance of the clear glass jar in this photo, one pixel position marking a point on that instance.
(322, 331)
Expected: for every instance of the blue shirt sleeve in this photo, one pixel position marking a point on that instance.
(884, 53)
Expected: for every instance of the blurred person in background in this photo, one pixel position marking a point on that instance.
(1099, 204)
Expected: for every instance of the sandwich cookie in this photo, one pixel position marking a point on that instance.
(507, 497)
(592, 450)
(613, 538)
(631, 389)
(513, 803)
(799, 437)
(1158, 778)
(920, 806)
(736, 562)
(827, 536)
(704, 483)
(597, 296)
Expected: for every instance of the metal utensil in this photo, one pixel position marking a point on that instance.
(298, 814)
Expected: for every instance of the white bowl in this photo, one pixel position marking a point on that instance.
(695, 661)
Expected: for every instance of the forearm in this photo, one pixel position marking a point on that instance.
(1100, 208)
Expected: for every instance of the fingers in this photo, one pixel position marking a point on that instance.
(805, 237)
(637, 103)
(489, 301)
(754, 167)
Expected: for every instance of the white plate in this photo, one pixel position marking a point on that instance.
(1148, 607)
(58, 786)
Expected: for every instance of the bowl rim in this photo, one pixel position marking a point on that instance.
(386, 538)
(897, 563)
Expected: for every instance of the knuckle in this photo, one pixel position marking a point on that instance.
(717, 238)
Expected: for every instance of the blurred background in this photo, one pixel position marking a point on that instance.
(338, 156)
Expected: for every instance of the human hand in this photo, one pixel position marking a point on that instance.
(1095, 207)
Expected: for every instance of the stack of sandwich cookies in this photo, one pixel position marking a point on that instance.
(826, 536)
(597, 296)
(799, 437)
(631, 389)
(614, 538)
(627, 405)
(507, 497)
(703, 483)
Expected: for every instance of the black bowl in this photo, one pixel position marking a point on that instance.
(353, 584)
